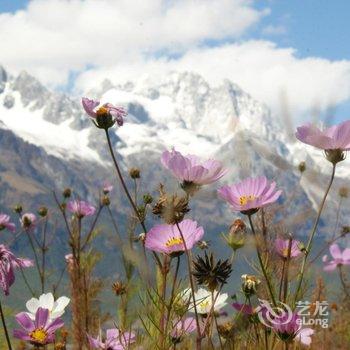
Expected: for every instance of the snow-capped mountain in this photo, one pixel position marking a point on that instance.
(181, 110)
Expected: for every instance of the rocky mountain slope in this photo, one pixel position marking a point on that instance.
(47, 142)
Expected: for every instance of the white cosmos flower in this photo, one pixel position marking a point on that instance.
(47, 301)
(203, 299)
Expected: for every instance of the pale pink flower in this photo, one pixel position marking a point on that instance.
(115, 340)
(28, 221)
(5, 223)
(81, 208)
(167, 238)
(282, 246)
(190, 169)
(339, 258)
(250, 194)
(335, 137)
(182, 327)
(116, 113)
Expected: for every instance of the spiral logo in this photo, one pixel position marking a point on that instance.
(268, 314)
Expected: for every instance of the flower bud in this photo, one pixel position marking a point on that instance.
(42, 211)
(105, 201)
(67, 193)
(235, 239)
(18, 209)
(343, 192)
(147, 198)
(250, 284)
(302, 167)
(134, 173)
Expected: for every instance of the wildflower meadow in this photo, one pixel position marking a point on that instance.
(174, 291)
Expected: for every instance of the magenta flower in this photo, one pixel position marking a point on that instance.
(190, 169)
(288, 327)
(115, 340)
(39, 332)
(5, 223)
(182, 327)
(81, 208)
(8, 263)
(167, 238)
(250, 194)
(282, 246)
(244, 308)
(106, 115)
(335, 137)
(28, 221)
(339, 258)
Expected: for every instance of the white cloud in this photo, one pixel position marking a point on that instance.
(123, 39)
(52, 37)
(270, 74)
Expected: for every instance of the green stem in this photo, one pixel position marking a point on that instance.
(5, 328)
(133, 205)
(199, 336)
(311, 237)
(269, 286)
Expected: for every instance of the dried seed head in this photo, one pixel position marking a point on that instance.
(211, 273)
(171, 208)
(226, 330)
(119, 288)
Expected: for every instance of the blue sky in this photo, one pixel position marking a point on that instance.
(313, 28)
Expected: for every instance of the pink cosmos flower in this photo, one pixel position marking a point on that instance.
(282, 246)
(339, 258)
(167, 238)
(117, 113)
(39, 332)
(107, 187)
(115, 340)
(8, 263)
(28, 221)
(335, 137)
(250, 194)
(81, 208)
(288, 327)
(190, 169)
(182, 327)
(5, 223)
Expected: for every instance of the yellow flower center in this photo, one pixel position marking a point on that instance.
(204, 304)
(39, 335)
(102, 111)
(243, 200)
(285, 252)
(174, 241)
